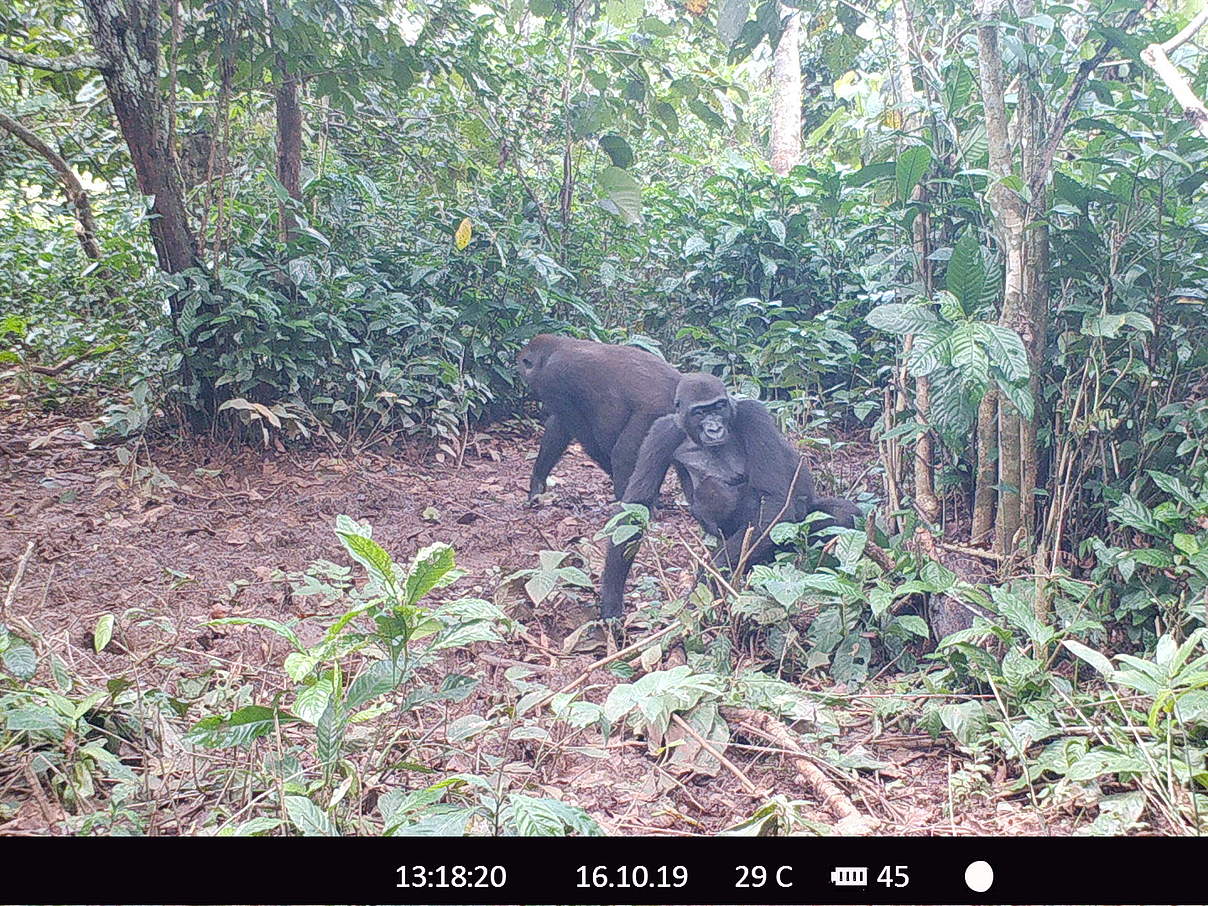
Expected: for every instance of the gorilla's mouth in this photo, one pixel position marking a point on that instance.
(713, 438)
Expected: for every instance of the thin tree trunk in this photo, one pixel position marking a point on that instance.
(1008, 210)
(289, 140)
(785, 144)
(925, 500)
(126, 35)
(567, 193)
(71, 184)
(983, 487)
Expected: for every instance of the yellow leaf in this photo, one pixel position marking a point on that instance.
(892, 119)
(461, 238)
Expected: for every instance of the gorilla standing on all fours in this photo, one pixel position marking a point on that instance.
(606, 397)
(741, 474)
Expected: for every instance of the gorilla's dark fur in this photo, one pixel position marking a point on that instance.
(738, 473)
(605, 397)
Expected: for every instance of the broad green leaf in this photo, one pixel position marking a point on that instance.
(617, 149)
(1091, 656)
(238, 729)
(1005, 349)
(731, 16)
(1133, 513)
(20, 660)
(280, 628)
(968, 357)
(966, 276)
(308, 818)
(911, 166)
(32, 718)
(624, 12)
(623, 191)
(901, 319)
(428, 569)
(102, 632)
(534, 817)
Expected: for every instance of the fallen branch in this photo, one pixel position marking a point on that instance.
(712, 750)
(12, 586)
(605, 661)
(848, 818)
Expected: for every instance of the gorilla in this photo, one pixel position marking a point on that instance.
(606, 397)
(739, 474)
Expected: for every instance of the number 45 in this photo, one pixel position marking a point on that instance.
(893, 876)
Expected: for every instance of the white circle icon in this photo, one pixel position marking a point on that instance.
(979, 876)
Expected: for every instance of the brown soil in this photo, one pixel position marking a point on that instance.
(117, 539)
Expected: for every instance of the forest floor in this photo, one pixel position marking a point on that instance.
(166, 557)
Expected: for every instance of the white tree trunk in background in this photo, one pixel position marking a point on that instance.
(786, 97)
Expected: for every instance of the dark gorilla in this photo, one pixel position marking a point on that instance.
(741, 474)
(605, 397)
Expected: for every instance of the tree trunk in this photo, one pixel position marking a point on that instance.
(785, 144)
(126, 36)
(926, 502)
(987, 457)
(71, 184)
(1009, 214)
(289, 140)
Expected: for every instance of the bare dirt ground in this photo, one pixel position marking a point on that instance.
(108, 538)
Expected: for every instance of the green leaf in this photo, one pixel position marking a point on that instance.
(913, 624)
(968, 357)
(32, 718)
(871, 173)
(428, 569)
(624, 12)
(280, 628)
(849, 548)
(370, 555)
(308, 818)
(534, 817)
(238, 729)
(20, 659)
(1099, 662)
(966, 276)
(1188, 544)
(617, 149)
(102, 632)
(731, 16)
(1174, 487)
(1006, 350)
(901, 319)
(707, 115)
(623, 191)
(911, 166)
(1133, 513)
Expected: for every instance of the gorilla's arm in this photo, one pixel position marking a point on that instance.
(654, 458)
(842, 512)
(554, 440)
(779, 486)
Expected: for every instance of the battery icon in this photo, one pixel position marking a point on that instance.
(849, 877)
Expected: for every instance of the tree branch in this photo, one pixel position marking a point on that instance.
(1057, 127)
(51, 64)
(1188, 32)
(71, 183)
(1193, 108)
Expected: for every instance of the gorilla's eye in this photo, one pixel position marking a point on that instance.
(528, 363)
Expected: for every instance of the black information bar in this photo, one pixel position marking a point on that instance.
(653, 870)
